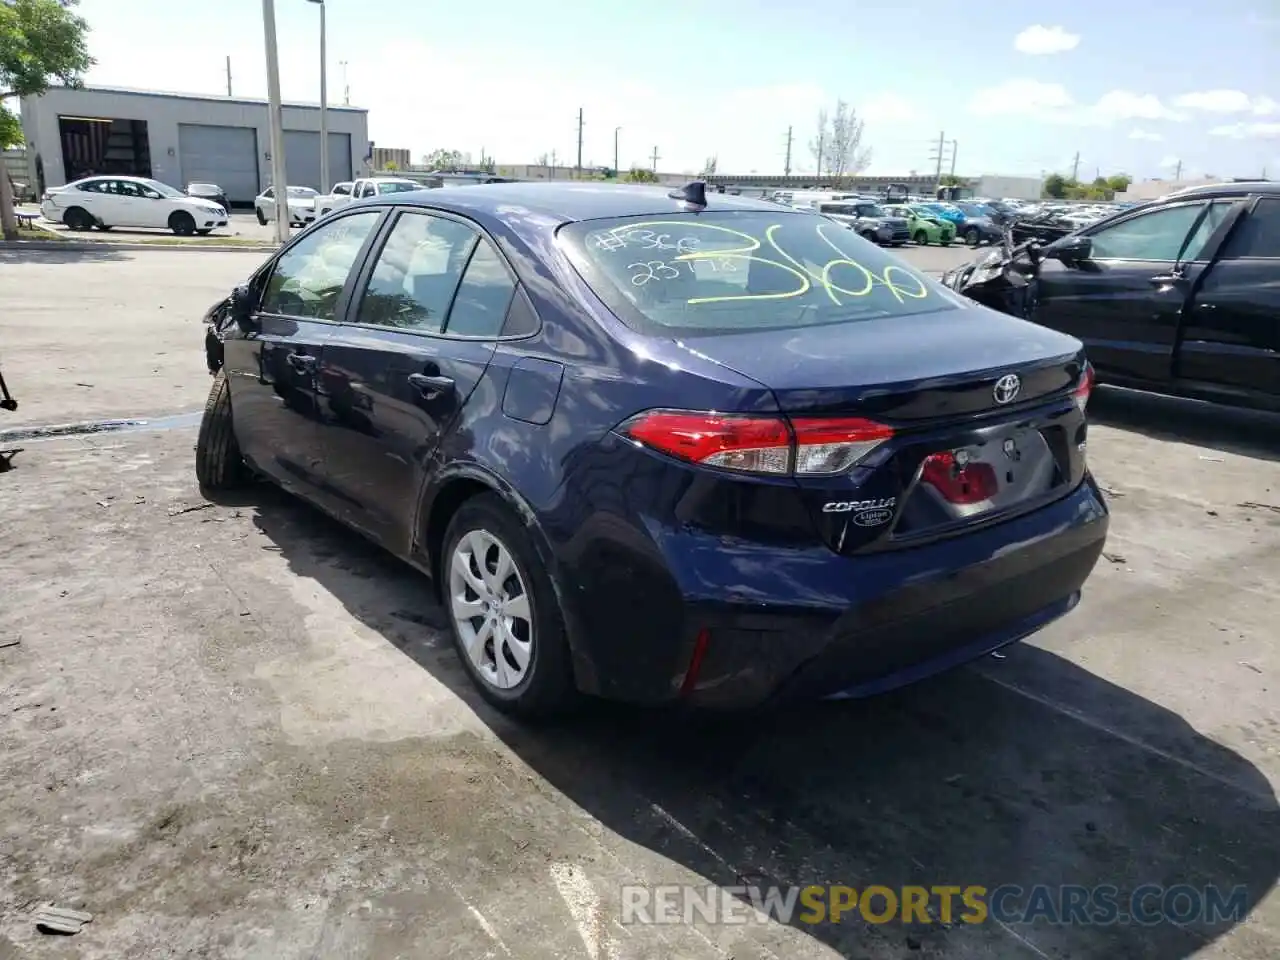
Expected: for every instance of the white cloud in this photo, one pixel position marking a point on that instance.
(1146, 135)
(887, 108)
(1039, 40)
(1244, 131)
(1029, 97)
(1051, 102)
(1226, 101)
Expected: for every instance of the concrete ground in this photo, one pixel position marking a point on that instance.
(236, 730)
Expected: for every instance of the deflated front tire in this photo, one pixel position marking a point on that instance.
(219, 465)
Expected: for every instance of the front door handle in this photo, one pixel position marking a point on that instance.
(1173, 279)
(302, 362)
(431, 386)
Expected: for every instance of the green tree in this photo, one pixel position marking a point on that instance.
(1119, 182)
(1055, 186)
(641, 175)
(443, 159)
(950, 180)
(391, 165)
(41, 41)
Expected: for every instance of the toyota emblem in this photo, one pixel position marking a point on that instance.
(1006, 388)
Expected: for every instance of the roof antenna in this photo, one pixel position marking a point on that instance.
(692, 194)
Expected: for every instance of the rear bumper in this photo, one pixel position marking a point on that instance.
(803, 624)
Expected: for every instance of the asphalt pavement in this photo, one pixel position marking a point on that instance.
(234, 729)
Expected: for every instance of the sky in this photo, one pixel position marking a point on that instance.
(1021, 89)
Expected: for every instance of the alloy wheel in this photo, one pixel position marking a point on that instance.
(489, 602)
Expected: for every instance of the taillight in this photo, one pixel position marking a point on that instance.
(959, 484)
(1081, 392)
(750, 444)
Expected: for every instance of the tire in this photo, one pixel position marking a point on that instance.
(921, 238)
(261, 219)
(78, 218)
(972, 237)
(103, 227)
(483, 528)
(219, 465)
(205, 232)
(182, 223)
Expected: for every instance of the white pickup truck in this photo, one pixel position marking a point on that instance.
(343, 193)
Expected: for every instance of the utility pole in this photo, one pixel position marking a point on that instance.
(655, 161)
(279, 176)
(822, 145)
(346, 89)
(617, 174)
(1177, 173)
(786, 164)
(955, 145)
(325, 183)
(937, 158)
(553, 165)
(228, 76)
(1075, 168)
(579, 167)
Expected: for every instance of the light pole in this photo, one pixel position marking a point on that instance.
(324, 108)
(279, 176)
(617, 174)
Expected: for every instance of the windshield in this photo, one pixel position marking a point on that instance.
(303, 193)
(974, 210)
(164, 189)
(734, 272)
(398, 186)
(870, 210)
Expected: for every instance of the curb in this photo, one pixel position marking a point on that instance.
(72, 246)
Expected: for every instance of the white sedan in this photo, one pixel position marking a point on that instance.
(106, 202)
(302, 205)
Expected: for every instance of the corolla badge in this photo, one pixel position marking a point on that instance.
(1006, 388)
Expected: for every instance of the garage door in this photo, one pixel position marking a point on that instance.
(302, 158)
(227, 156)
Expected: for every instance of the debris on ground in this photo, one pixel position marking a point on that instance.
(193, 509)
(9, 642)
(1245, 663)
(1212, 459)
(1114, 557)
(54, 919)
(1252, 505)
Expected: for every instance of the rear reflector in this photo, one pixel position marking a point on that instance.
(1081, 392)
(769, 445)
(695, 662)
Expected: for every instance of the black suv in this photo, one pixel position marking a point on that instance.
(1180, 295)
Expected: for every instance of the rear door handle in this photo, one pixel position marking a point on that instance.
(302, 362)
(431, 386)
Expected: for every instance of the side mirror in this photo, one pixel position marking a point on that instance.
(1035, 253)
(242, 307)
(1070, 249)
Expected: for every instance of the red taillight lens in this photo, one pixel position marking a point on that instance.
(963, 486)
(836, 444)
(1081, 392)
(758, 444)
(753, 444)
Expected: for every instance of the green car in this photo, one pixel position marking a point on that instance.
(925, 225)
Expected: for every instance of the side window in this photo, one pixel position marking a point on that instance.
(269, 193)
(1218, 211)
(1157, 235)
(483, 297)
(127, 188)
(95, 186)
(417, 273)
(308, 278)
(1258, 235)
(342, 190)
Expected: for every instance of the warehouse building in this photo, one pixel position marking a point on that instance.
(184, 138)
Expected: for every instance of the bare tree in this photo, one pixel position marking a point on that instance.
(819, 144)
(709, 166)
(845, 152)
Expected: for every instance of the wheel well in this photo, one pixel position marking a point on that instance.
(180, 213)
(446, 504)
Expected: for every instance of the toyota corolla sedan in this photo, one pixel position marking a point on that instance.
(663, 447)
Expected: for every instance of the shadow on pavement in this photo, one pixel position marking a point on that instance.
(965, 780)
(77, 254)
(1248, 433)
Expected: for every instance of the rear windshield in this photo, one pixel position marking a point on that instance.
(398, 186)
(747, 270)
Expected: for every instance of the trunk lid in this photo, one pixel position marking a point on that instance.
(959, 456)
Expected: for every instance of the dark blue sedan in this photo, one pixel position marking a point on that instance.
(663, 446)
